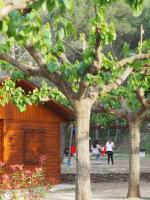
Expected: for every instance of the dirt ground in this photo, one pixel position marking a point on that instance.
(121, 165)
(103, 191)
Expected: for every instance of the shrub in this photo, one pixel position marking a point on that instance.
(23, 184)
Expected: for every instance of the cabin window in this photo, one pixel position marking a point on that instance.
(33, 146)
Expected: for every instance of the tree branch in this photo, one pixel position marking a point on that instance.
(56, 77)
(20, 4)
(145, 103)
(125, 111)
(36, 56)
(141, 98)
(63, 58)
(97, 63)
(100, 108)
(132, 59)
(28, 70)
(125, 106)
(118, 82)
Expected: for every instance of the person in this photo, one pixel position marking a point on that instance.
(73, 150)
(104, 149)
(96, 149)
(109, 148)
(66, 151)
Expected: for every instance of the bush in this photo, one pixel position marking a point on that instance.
(24, 184)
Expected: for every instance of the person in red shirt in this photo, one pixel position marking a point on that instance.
(104, 150)
(73, 150)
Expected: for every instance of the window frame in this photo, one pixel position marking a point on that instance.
(41, 133)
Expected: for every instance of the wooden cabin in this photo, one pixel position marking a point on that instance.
(24, 136)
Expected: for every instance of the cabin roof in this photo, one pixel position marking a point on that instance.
(61, 110)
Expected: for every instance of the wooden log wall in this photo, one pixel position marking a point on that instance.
(36, 119)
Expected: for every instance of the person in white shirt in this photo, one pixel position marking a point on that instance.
(109, 148)
(96, 149)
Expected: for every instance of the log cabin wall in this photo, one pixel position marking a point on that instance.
(20, 147)
(1, 138)
(32, 113)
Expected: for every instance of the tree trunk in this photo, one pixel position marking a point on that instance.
(134, 160)
(83, 185)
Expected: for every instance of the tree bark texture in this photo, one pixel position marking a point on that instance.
(83, 185)
(134, 160)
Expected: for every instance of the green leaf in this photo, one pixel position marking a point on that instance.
(52, 67)
(51, 5)
(105, 2)
(71, 29)
(145, 46)
(16, 75)
(37, 4)
(61, 34)
(1, 24)
(82, 66)
(126, 49)
(4, 26)
(136, 5)
(68, 4)
(15, 22)
(2, 4)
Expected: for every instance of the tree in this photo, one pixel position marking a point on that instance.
(81, 81)
(121, 15)
(133, 107)
(127, 26)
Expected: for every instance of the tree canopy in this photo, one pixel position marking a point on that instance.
(82, 80)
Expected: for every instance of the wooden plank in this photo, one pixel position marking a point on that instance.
(32, 113)
(2, 112)
(14, 143)
(33, 146)
(1, 139)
